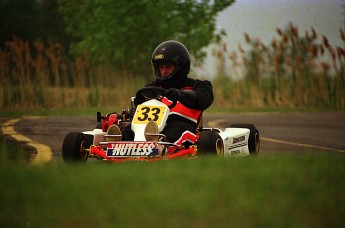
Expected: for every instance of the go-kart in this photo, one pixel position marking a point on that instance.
(106, 144)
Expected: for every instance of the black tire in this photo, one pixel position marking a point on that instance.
(210, 143)
(74, 147)
(254, 137)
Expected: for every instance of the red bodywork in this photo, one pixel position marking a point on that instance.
(101, 152)
(108, 121)
(122, 120)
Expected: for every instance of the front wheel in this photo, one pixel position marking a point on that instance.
(210, 143)
(75, 147)
(254, 137)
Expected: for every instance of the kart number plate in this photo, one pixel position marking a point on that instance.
(145, 113)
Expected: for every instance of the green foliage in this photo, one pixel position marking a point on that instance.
(15, 18)
(31, 20)
(125, 32)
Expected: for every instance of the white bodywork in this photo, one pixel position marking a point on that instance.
(138, 127)
(235, 141)
(98, 135)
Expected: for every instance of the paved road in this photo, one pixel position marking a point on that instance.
(280, 133)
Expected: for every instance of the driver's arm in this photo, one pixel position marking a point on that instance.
(139, 100)
(200, 98)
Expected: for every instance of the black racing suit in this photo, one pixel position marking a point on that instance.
(197, 96)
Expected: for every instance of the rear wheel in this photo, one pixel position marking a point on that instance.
(210, 143)
(74, 147)
(254, 137)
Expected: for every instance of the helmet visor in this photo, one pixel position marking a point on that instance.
(164, 70)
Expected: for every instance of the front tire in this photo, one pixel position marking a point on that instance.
(74, 147)
(210, 143)
(254, 137)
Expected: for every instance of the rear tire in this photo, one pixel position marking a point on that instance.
(254, 137)
(74, 147)
(210, 143)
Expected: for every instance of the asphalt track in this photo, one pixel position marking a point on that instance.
(280, 133)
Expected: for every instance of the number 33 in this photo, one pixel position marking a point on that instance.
(145, 114)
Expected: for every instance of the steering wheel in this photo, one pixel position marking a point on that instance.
(149, 93)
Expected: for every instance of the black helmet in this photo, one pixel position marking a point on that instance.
(171, 52)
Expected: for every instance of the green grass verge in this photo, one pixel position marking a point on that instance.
(264, 191)
(11, 152)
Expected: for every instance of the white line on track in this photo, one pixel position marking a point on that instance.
(300, 144)
(216, 123)
(44, 153)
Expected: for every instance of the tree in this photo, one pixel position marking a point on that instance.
(125, 32)
(31, 20)
(16, 19)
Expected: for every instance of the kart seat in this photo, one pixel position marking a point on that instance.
(200, 122)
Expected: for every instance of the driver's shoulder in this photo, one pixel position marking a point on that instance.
(192, 82)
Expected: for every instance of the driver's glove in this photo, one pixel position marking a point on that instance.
(138, 101)
(174, 94)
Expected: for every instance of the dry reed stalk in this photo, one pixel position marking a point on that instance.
(295, 59)
(247, 37)
(80, 72)
(21, 71)
(4, 63)
(55, 55)
(40, 64)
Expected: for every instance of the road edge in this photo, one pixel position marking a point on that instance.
(44, 152)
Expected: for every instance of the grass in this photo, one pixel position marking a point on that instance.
(11, 151)
(264, 191)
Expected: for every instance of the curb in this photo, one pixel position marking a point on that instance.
(44, 153)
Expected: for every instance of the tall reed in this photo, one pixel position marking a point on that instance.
(291, 71)
(42, 75)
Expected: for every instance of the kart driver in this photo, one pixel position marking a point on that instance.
(171, 65)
